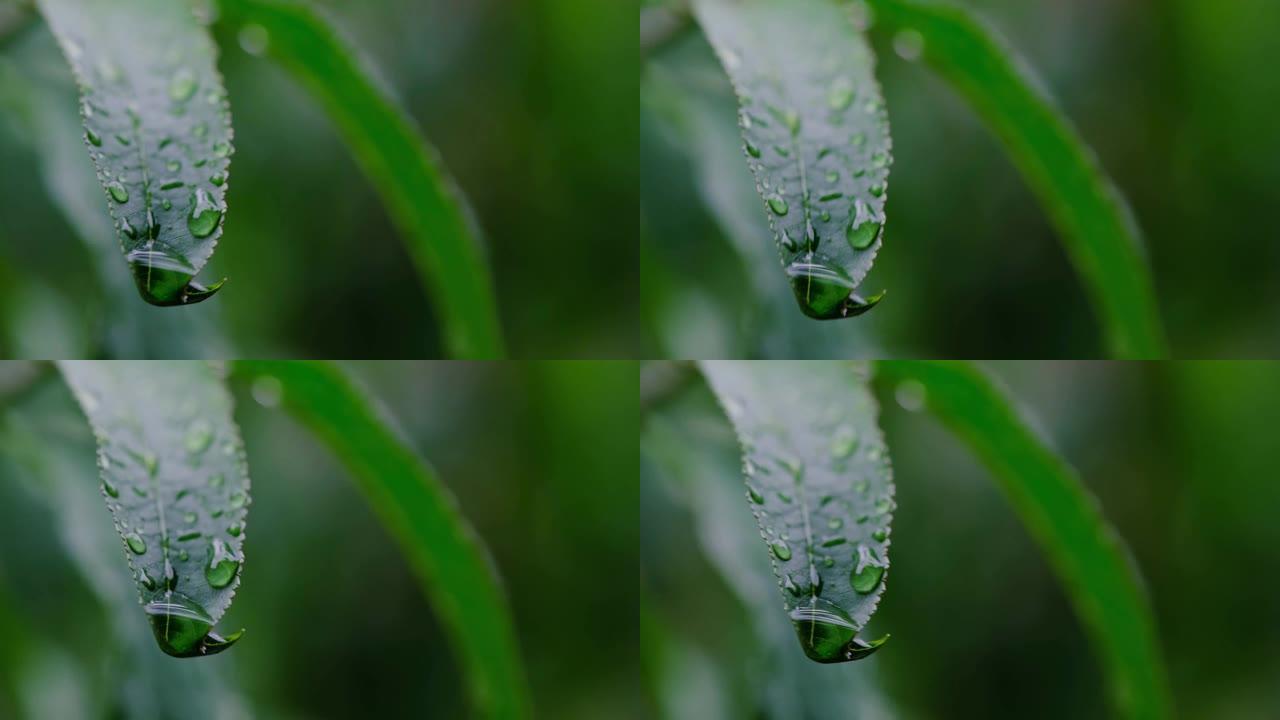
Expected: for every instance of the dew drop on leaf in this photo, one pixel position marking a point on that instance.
(222, 566)
(136, 544)
(204, 216)
(781, 551)
(118, 192)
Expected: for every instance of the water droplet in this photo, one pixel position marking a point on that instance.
(755, 495)
(147, 581)
(216, 480)
(835, 523)
(200, 131)
(110, 489)
(828, 561)
(788, 242)
(118, 192)
(222, 148)
(173, 166)
(781, 551)
(840, 96)
(164, 278)
(94, 138)
(204, 216)
(190, 518)
(128, 229)
(222, 566)
(867, 579)
(877, 190)
(172, 184)
(880, 160)
(182, 86)
(778, 206)
(753, 151)
(827, 633)
(166, 204)
(124, 140)
(792, 120)
(183, 628)
(183, 555)
(863, 234)
(254, 39)
(170, 576)
(187, 537)
(844, 441)
(218, 179)
(136, 544)
(909, 45)
(883, 506)
(238, 499)
(199, 436)
(880, 535)
(833, 176)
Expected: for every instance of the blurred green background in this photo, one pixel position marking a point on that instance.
(1177, 98)
(522, 100)
(1181, 457)
(541, 457)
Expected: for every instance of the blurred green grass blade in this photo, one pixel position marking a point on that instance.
(1093, 221)
(451, 562)
(423, 200)
(1084, 550)
(176, 481)
(158, 127)
(816, 138)
(819, 483)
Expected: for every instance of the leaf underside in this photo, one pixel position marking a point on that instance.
(158, 127)
(820, 485)
(816, 136)
(1092, 218)
(175, 479)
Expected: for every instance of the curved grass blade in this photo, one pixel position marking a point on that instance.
(158, 127)
(176, 481)
(821, 487)
(1084, 550)
(1095, 224)
(816, 138)
(425, 204)
(450, 561)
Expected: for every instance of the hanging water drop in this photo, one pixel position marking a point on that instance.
(827, 634)
(182, 628)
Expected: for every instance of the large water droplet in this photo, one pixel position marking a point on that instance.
(825, 291)
(183, 628)
(222, 566)
(136, 544)
(777, 205)
(862, 234)
(165, 278)
(204, 216)
(867, 579)
(827, 633)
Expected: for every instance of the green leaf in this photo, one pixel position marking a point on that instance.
(43, 93)
(816, 138)
(686, 445)
(158, 127)
(176, 481)
(1095, 224)
(424, 202)
(1084, 550)
(456, 573)
(820, 485)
